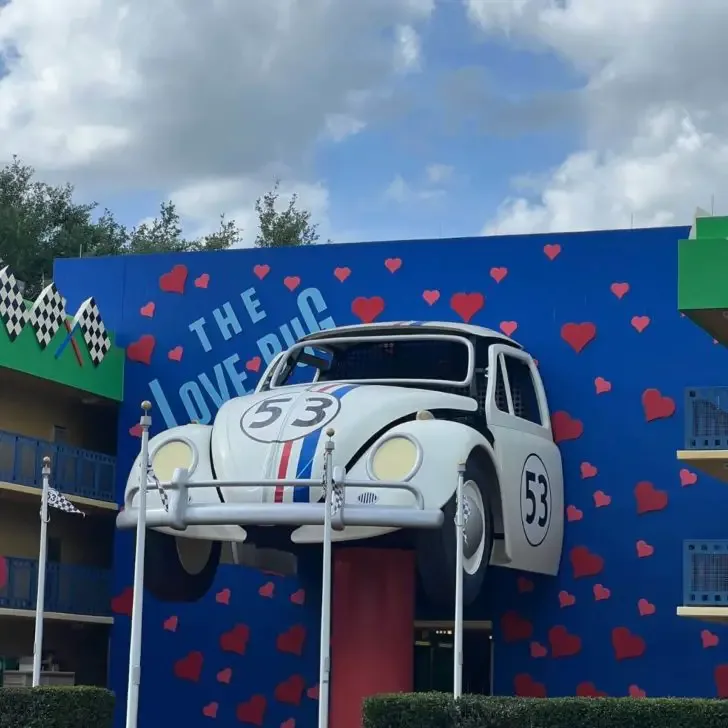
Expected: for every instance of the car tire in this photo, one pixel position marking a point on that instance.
(179, 569)
(436, 548)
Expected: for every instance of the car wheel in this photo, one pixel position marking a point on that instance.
(179, 569)
(436, 548)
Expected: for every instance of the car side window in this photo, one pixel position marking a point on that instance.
(523, 391)
(501, 399)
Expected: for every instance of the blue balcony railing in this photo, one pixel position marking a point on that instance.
(74, 471)
(705, 573)
(70, 589)
(706, 418)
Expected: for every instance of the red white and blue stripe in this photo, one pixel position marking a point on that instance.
(297, 456)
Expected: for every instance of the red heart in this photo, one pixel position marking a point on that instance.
(291, 282)
(656, 406)
(619, 289)
(223, 597)
(148, 309)
(341, 274)
(508, 327)
(640, 323)
(587, 470)
(141, 350)
(538, 650)
(252, 711)
(313, 692)
(589, 690)
(431, 297)
(645, 608)
(367, 309)
(261, 271)
(649, 498)
(552, 250)
(524, 686)
(565, 427)
(299, 597)
(290, 691)
(225, 676)
(253, 365)
(466, 305)
(3, 571)
(709, 639)
(601, 499)
(202, 281)
(584, 562)
(189, 667)
(627, 645)
(563, 644)
(566, 599)
(170, 624)
(577, 336)
(175, 354)
(290, 723)
(601, 592)
(210, 710)
(174, 281)
(135, 430)
(635, 691)
(121, 604)
(498, 274)
(235, 640)
(644, 549)
(267, 590)
(602, 385)
(515, 628)
(393, 264)
(574, 514)
(292, 640)
(720, 677)
(524, 585)
(687, 477)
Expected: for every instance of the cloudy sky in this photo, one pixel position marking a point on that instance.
(390, 118)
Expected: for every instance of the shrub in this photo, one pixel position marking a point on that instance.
(433, 710)
(56, 707)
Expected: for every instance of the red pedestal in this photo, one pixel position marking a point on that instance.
(372, 628)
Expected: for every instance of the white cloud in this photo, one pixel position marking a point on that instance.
(408, 51)
(653, 97)
(401, 191)
(437, 173)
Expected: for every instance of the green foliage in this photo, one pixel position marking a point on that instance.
(62, 707)
(283, 228)
(433, 710)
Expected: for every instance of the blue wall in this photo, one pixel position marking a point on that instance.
(553, 635)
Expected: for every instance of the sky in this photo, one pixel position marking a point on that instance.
(390, 119)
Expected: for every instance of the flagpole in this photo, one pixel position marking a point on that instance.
(42, 559)
(459, 558)
(135, 645)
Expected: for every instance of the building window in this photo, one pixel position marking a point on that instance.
(59, 435)
(54, 550)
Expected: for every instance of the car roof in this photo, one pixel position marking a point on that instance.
(387, 327)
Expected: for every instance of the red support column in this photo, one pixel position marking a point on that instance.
(372, 628)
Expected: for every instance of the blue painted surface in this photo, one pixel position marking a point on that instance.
(75, 471)
(629, 603)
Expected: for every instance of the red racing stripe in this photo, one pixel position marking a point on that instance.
(283, 469)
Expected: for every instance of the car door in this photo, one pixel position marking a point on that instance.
(532, 488)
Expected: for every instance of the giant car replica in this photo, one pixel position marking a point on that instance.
(407, 406)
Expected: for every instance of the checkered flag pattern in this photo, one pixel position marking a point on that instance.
(47, 315)
(60, 502)
(337, 497)
(13, 313)
(88, 320)
(153, 482)
(466, 515)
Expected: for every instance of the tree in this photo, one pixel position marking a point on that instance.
(283, 228)
(40, 222)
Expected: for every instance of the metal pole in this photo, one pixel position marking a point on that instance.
(42, 561)
(459, 541)
(135, 646)
(325, 646)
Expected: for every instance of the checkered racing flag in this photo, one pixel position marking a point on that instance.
(47, 315)
(13, 313)
(153, 482)
(88, 320)
(337, 496)
(59, 501)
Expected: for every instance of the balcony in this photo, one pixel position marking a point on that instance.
(706, 431)
(705, 580)
(70, 589)
(74, 471)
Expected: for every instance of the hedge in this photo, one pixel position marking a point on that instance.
(438, 710)
(56, 707)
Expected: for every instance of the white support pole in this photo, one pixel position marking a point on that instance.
(459, 543)
(135, 646)
(42, 561)
(325, 645)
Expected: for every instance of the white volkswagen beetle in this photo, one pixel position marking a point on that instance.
(409, 402)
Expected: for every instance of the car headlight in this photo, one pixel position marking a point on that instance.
(171, 455)
(397, 457)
